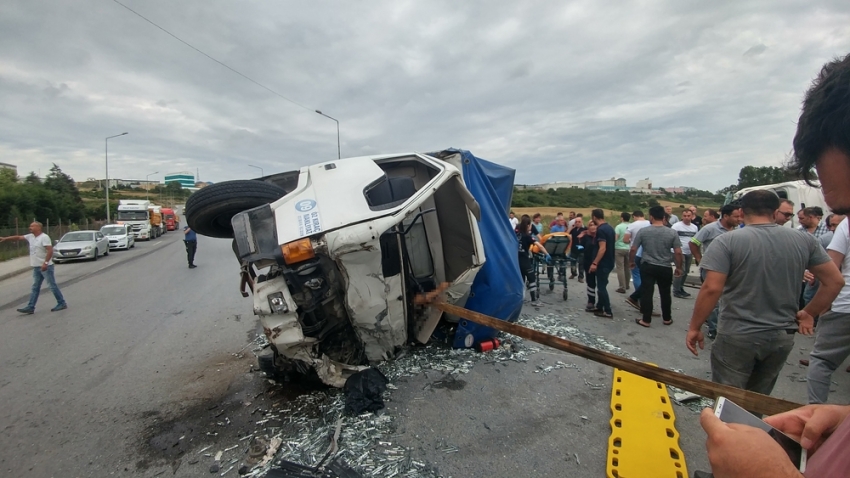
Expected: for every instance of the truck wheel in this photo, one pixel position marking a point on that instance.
(209, 210)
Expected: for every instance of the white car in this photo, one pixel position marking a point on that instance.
(336, 258)
(120, 236)
(80, 245)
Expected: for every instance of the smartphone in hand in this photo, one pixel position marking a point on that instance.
(729, 412)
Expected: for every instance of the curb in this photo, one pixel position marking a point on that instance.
(14, 273)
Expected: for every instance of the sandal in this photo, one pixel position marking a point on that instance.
(640, 322)
(667, 322)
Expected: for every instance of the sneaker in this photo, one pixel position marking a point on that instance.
(59, 307)
(192, 266)
(679, 295)
(632, 303)
(621, 290)
(590, 307)
(26, 310)
(602, 313)
(572, 276)
(581, 280)
(535, 303)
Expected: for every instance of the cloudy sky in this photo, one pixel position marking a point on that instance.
(681, 91)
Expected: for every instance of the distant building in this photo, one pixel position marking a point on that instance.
(185, 178)
(613, 184)
(9, 166)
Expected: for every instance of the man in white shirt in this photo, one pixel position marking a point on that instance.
(41, 261)
(832, 345)
(639, 223)
(686, 230)
(514, 220)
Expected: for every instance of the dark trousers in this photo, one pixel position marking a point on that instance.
(191, 247)
(590, 282)
(651, 274)
(603, 301)
(529, 275)
(577, 264)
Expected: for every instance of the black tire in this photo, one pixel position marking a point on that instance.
(209, 211)
(106, 253)
(96, 250)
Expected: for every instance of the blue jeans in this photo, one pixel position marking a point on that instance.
(603, 301)
(636, 274)
(37, 278)
(712, 317)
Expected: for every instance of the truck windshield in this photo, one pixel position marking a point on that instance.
(77, 236)
(132, 215)
(114, 231)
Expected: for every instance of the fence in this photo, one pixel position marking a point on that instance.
(13, 249)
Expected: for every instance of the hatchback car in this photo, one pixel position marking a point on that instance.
(120, 236)
(80, 245)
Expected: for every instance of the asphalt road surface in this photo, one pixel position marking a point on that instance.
(148, 367)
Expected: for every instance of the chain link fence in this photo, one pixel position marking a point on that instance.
(13, 249)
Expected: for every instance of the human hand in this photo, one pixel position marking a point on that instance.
(43, 266)
(693, 338)
(632, 265)
(548, 259)
(677, 272)
(810, 425)
(805, 322)
(731, 449)
(808, 277)
(592, 268)
(582, 234)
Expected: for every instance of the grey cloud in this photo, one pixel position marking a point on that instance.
(571, 91)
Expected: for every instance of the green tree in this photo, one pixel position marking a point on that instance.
(750, 176)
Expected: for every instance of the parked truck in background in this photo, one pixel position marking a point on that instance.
(172, 221)
(157, 226)
(136, 214)
(801, 193)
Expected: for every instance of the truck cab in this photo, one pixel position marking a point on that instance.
(157, 227)
(135, 214)
(170, 219)
(801, 193)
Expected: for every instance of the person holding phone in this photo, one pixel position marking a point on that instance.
(821, 143)
(741, 451)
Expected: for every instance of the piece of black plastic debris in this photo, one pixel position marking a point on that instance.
(363, 391)
(243, 470)
(215, 467)
(334, 469)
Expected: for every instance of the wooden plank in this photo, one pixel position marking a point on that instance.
(755, 402)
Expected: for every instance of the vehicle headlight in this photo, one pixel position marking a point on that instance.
(87, 248)
(277, 304)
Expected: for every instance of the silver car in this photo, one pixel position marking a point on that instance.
(80, 245)
(120, 236)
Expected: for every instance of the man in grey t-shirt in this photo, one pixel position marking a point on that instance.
(661, 246)
(757, 269)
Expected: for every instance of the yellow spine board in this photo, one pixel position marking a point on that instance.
(644, 442)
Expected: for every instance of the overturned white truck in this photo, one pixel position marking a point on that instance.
(334, 254)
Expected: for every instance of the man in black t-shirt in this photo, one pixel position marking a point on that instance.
(577, 250)
(603, 263)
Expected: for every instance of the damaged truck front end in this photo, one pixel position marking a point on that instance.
(334, 264)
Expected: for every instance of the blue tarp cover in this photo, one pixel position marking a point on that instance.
(498, 288)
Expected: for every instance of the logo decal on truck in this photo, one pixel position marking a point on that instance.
(305, 205)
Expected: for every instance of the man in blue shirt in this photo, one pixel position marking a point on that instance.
(603, 263)
(191, 241)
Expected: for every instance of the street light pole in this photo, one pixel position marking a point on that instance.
(106, 154)
(257, 167)
(338, 150)
(148, 186)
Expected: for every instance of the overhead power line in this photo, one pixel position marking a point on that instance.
(215, 60)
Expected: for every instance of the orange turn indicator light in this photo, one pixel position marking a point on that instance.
(297, 251)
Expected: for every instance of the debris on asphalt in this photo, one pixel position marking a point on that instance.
(363, 391)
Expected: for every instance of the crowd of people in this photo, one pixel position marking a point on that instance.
(761, 285)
